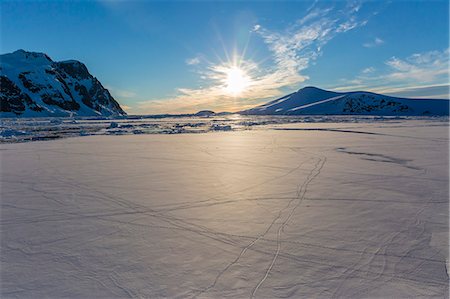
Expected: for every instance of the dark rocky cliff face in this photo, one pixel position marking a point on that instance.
(75, 69)
(12, 99)
(34, 85)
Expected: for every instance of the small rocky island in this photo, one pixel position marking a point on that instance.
(205, 113)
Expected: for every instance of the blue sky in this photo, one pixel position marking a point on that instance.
(184, 56)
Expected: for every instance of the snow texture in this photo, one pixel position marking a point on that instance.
(291, 210)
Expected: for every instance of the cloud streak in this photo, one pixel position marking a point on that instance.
(368, 70)
(292, 50)
(426, 74)
(375, 43)
(121, 93)
(193, 61)
(421, 67)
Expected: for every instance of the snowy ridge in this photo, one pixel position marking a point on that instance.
(34, 85)
(314, 101)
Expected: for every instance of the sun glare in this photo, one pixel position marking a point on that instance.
(236, 81)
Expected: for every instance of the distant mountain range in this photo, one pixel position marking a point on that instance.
(315, 101)
(32, 84)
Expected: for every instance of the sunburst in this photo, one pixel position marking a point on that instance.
(236, 80)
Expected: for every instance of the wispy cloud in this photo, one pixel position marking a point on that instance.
(292, 51)
(193, 61)
(418, 75)
(374, 43)
(120, 93)
(368, 70)
(422, 67)
(127, 109)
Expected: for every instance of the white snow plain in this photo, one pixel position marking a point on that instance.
(303, 210)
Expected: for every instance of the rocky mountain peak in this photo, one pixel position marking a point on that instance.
(34, 85)
(74, 68)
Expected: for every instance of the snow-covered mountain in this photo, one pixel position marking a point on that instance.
(33, 85)
(313, 101)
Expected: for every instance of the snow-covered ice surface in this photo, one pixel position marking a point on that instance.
(41, 128)
(310, 210)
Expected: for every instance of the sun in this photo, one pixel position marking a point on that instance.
(236, 81)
